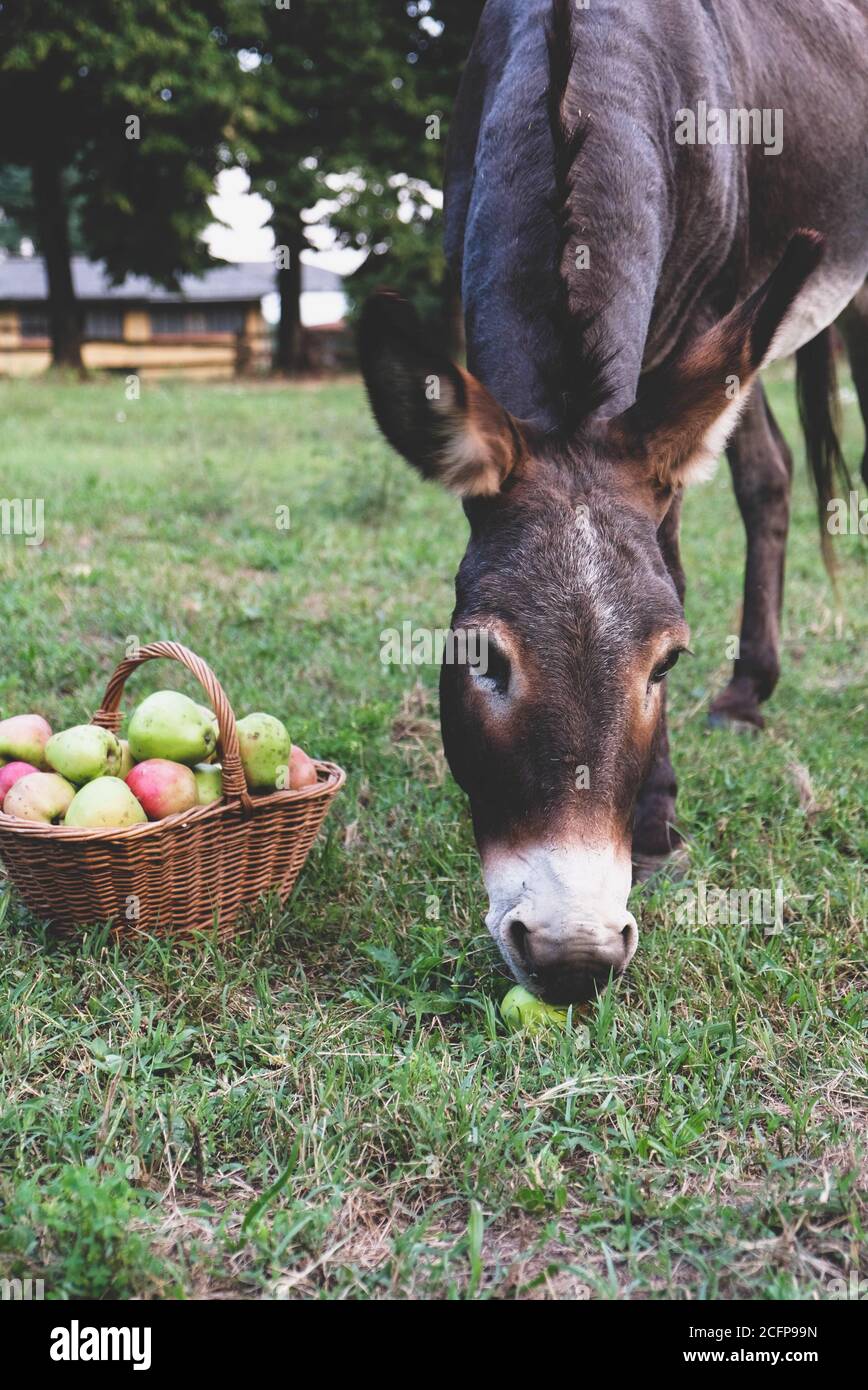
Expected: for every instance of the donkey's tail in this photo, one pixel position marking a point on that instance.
(819, 411)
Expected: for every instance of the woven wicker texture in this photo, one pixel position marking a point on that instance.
(190, 872)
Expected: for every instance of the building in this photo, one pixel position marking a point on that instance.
(212, 327)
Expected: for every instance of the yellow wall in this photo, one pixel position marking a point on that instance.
(137, 325)
(215, 357)
(9, 334)
(27, 363)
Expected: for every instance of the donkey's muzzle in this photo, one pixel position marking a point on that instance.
(569, 970)
(559, 914)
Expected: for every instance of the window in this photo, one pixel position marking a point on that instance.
(34, 323)
(180, 320)
(104, 323)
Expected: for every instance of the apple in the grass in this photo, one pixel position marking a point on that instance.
(171, 725)
(104, 804)
(522, 1010)
(163, 788)
(209, 782)
(265, 748)
(10, 774)
(40, 796)
(23, 739)
(302, 769)
(84, 752)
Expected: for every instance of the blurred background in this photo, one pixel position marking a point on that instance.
(213, 188)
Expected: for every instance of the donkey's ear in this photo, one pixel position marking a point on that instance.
(686, 410)
(439, 417)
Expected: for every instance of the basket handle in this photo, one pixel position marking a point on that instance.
(108, 714)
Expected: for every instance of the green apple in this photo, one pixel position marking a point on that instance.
(210, 715)
(265, 749)
(23, 739)
(522, 1010)
(103, 804)
(209, 782)
(127, 761)
(40, 796)
(84, 752)
(172, 726)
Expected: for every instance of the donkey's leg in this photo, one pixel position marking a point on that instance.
(654, 833)
(762, 470)
(854, 326)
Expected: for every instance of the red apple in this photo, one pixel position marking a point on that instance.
(9, 776)
(302, 769)
(40, 796)
(163, 788)
(24, 737)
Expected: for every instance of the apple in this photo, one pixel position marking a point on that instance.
(127, 761)
(84, 752)
(172, 726)
(10, 774)
(265, 749)
(209, 782)
(106, 803)
(23, 739)
(211, 716)
(40, 796)
(522, 1010)
(163, 788)
(302, 769)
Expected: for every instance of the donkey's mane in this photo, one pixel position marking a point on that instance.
(585, 374)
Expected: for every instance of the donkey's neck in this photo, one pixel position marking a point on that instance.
(642, 247)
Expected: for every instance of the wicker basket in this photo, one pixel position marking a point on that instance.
(190, 872)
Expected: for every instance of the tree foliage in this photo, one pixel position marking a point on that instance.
(122, 109)
(116, 115)
(350, 112)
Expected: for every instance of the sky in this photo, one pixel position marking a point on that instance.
(240, 234)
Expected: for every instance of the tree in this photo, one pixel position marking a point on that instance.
(320, 95)
(341, 99)
(399, 218)
(121, 110)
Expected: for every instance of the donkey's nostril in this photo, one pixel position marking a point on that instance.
(518, 935)
(630, 938)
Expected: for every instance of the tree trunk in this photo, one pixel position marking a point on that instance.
(53, 230)
(290, 357)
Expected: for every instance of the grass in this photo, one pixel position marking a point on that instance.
(331, 1107)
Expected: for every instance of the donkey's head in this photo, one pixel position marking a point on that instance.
(551, 731)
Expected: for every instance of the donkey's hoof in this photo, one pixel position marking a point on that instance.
(746, 723)
(737, 707)
(672, 866)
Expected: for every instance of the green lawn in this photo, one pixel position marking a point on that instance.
(331, 1107)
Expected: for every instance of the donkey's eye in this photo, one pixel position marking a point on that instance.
(664, 666)
(490, 668)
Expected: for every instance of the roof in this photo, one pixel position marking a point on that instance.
(22, 278)
(316, 279)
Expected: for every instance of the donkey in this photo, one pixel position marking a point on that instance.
(623, 289)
